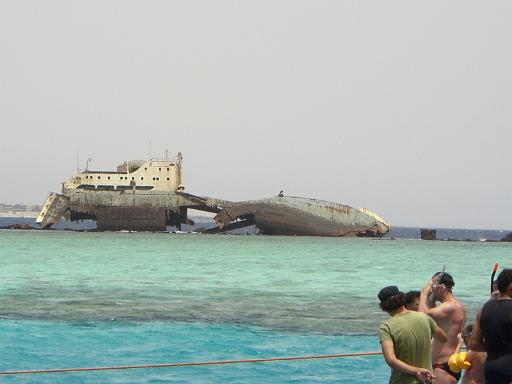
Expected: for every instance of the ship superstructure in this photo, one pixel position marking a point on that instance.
(146, 175)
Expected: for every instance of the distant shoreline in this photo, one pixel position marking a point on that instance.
(27, 214)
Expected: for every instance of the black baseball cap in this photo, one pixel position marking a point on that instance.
(387, 292)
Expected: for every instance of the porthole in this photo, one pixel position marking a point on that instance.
(108, 177)
(167, 168)
(167, 179)
(99, 177)
(159, 169)
(142, 178)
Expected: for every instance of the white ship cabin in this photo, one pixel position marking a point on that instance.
(154, 174)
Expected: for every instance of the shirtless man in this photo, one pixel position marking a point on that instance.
(450, 316)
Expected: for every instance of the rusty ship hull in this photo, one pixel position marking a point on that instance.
(124, 210)
(297, 216)
(287, 216)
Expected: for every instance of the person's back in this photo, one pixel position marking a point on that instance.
(405, 339)
(493, 332)
(475, 373)
(496, 328)
(411, 333)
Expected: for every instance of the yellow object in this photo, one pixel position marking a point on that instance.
(457, 361)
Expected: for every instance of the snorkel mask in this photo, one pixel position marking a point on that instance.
(439, 278)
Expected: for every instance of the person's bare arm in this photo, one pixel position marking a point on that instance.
(460, 341)
(426, 304)
(422, 374)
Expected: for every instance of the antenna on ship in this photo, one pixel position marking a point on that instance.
(166, 154)
(87, 163)
(149, 149)
(77, 162)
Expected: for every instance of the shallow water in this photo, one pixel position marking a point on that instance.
(136, 294)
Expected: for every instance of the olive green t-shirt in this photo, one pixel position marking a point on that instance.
(411, 333)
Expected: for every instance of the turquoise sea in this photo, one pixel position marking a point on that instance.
(81, 299)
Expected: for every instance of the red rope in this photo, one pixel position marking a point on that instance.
(215, 362)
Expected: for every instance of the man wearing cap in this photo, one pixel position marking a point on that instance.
(450, 315)
(405, 339)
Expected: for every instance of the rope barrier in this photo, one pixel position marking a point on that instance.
(192, 363)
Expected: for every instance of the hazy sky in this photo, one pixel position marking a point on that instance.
(403, 107)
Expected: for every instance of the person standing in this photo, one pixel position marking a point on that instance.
(475, 373)
(412, 300)
(493, 332)
(405, 339)
(450, 315)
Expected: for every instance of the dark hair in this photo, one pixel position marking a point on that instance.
(411, 296)
(467, 330)
(504, 279)
(394, 302)
(446, 279)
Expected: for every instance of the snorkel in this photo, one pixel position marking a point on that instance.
(493, 274)
(441, 275)
(431, 297)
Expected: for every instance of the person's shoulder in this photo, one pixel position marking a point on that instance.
(497, 304)
(410, 316)
(385, 330)
(418, 314)
(421, 316)
(452, 306)
(386, 323)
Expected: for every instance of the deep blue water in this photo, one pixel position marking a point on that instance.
(39, 345)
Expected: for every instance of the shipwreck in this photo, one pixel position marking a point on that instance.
(149, 195)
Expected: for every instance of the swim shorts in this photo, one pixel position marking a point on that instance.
(445, 367)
